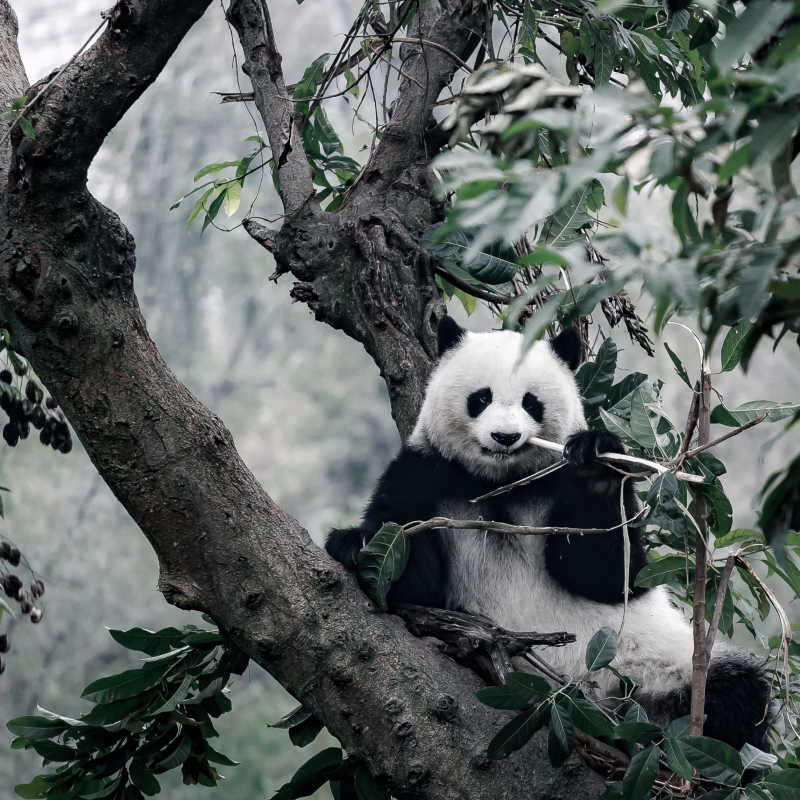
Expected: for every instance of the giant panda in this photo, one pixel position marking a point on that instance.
(485, 398)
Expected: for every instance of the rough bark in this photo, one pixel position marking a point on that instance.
(224, 547)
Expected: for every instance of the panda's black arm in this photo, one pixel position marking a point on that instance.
(586, 495)
(410, 489)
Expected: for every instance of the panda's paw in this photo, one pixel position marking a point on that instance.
(344, 545)
(582, 448)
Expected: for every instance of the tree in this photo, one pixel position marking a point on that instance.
(68, 301)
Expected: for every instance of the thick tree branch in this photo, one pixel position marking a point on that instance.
(444, 28)
(263, 64)
(66, 291)
(73, 118)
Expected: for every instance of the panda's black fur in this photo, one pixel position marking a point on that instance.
(558, 582)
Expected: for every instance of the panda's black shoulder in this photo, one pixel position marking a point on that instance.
(415, 483)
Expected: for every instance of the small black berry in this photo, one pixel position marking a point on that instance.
(11, 585)
(4, 643)
(5, 549)
(11, 434)
(45, 436)
(33, 392)
(5, 401)
(51, 403)
(38, 418)
(66, 446)
(26, 606)
(13, 556)
(21, 368)
(6, 376)
(36, 615)
(37, 587)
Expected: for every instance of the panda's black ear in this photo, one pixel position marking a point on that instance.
(449, 334)
(567, 346)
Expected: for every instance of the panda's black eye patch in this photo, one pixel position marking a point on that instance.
(478, 401)
(532, 404)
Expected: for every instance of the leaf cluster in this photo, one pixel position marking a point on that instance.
(144, 721)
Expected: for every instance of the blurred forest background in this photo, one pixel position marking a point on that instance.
(306, 406)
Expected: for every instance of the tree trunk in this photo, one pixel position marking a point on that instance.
(224, 547)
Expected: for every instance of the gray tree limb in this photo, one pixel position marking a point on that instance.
(223, 545)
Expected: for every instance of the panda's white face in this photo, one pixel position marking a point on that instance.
(483, 403)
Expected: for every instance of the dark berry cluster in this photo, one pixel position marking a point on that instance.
(13, 587)
(25, 410)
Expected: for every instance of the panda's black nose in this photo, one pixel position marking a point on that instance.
(506, 439)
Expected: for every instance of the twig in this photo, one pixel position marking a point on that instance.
(652, 466)
(735, 432)
(522, 481)
(719, 601)
(691, 422)
(700, 657)
(481, 294)
(505, 527)
(428, 43)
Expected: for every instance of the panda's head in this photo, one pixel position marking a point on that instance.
(486, 398)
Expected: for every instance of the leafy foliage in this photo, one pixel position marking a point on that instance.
(144, 721)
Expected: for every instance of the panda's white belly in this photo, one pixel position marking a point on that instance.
(506, 579)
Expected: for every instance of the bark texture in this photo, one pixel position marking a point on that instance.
(224, 547)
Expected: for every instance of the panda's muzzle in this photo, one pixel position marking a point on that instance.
(506, 439)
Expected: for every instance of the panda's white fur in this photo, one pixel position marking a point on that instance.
(513, 586)
(460, 449)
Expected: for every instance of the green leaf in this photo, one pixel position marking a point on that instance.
(36, 727)
(319, 769)
(125, 684)
(143, 778)
(383, 561)
(26, 128)
(734, 344)
(38, 787)
(750, 30)
(677, 761)
(753, 758)
(638, 732)
(516, 733)
(153, 643)
(595, 378)
(618, 399)
(198, 207)
(512, 696)
(601, 649)
(232, 198)
(295, 717)
(616, 424)
(662, 570)
(215, 206)
(738, 535)
(209, 168)
(733, 163)
(561, 735)
(679, 368)
(752, 410)
(713, 759)
(643, 428)
(620, 195)
(590, 719)
(640, 774)
(305, 732)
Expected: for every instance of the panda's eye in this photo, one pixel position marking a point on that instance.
(531, 403)
(478, 401)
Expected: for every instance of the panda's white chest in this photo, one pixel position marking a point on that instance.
(503, 577)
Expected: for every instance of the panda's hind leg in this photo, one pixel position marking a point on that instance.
(737, 699)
